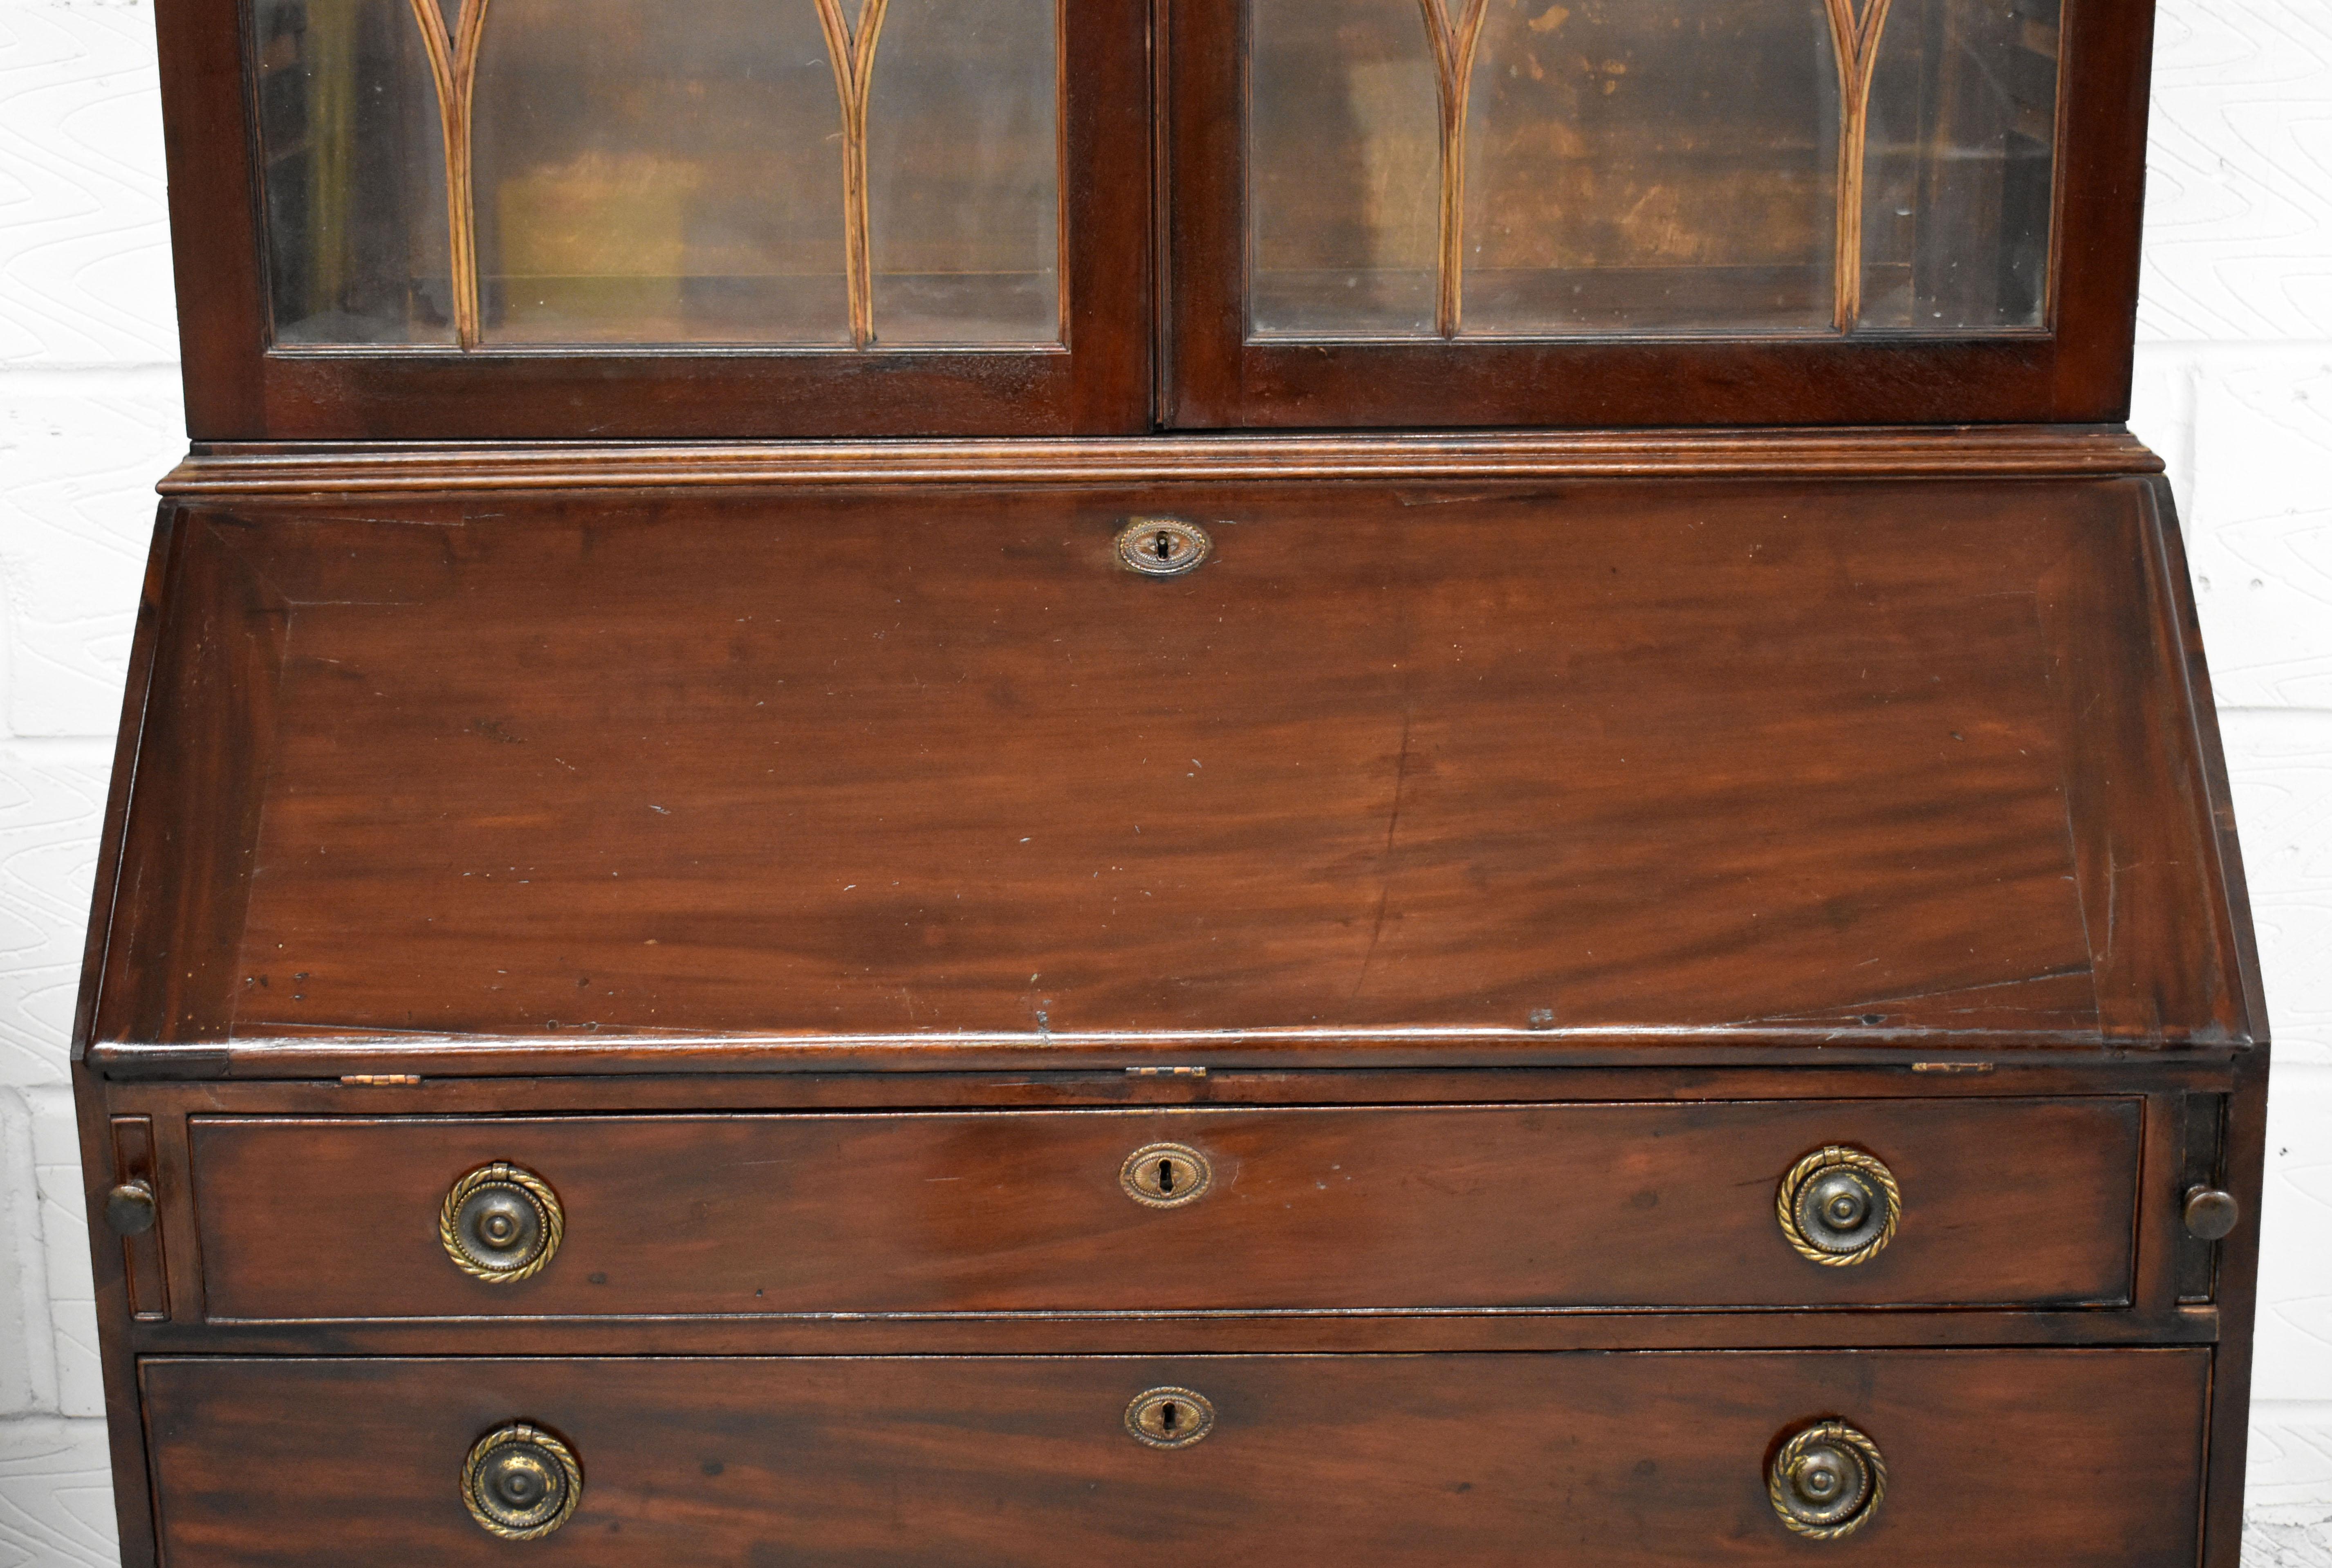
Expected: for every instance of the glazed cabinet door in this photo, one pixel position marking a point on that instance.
(530, 218)
(1653, 212)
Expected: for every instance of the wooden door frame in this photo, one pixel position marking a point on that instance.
(1213, 376)
(241, 387)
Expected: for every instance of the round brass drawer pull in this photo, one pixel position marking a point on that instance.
(500, 1223)
(1164, 546)
(1170, 1418)
(1165, 1175)
(520, 1482)
(1839, 1206)
(1826, 1481)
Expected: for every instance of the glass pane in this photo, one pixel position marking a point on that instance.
(1344, 154)
(1651, 165)
(1962, 148)
(654, 173)
(355, 174)
(963, 172)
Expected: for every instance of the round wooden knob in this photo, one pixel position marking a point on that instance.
(521, 1483)
(1826, 1481)
(130, 1209)
(1170, 1418)
(2211, 1214)
(1839, 1206)
(500, 1223)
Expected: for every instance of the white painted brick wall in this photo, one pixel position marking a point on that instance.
(2234, 388)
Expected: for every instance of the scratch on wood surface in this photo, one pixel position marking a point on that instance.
(2068, 973)
(1384, 871)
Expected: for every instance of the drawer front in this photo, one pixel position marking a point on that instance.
(2055, 1458)
(1567, 1206)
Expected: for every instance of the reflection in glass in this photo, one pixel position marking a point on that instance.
(1651, 165)
(1963, 144)
(1344, 154)
(963, 174)
(354, 176)
(652, 174)
(1722, 168)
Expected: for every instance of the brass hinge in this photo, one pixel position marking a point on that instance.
(376, 1080)
(1952, 1066)
(1165, 1072)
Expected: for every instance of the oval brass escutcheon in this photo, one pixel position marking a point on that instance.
(1162, 546)
(500, 1223)
(521, 1483)
(1839, 1206)
(1170, 1418)
(1826, 1481)
(1165, 1175)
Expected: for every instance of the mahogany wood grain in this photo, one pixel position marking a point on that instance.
(1557, 1206)
(1813, 759)
(2011, 1459)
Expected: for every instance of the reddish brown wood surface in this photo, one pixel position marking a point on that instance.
(1563, 1206)
(1835, 760)
(2016, 1460)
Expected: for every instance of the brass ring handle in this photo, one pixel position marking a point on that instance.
(521, 1483)
(1165, 1175)
(1826, 1481)
(500, 1223)
(1170, 1418)
(1839, 1206)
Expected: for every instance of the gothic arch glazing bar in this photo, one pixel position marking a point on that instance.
(453, 67)
(851, 50)
(1855, 41)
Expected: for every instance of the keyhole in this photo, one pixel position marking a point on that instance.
(1162, 545)
(1166, 1185)
(1168, 1415)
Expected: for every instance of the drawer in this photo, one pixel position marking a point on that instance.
(1559, 1206)
(2061, 1457)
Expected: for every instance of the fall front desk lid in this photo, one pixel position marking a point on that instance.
(1480, 767)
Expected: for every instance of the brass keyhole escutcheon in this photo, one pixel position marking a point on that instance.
(1839, 1206)
(1165, 1175)
(1826, 1481)
(500, 1223)
(1170, 1418)
(521, 1483)
(1162, 546)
